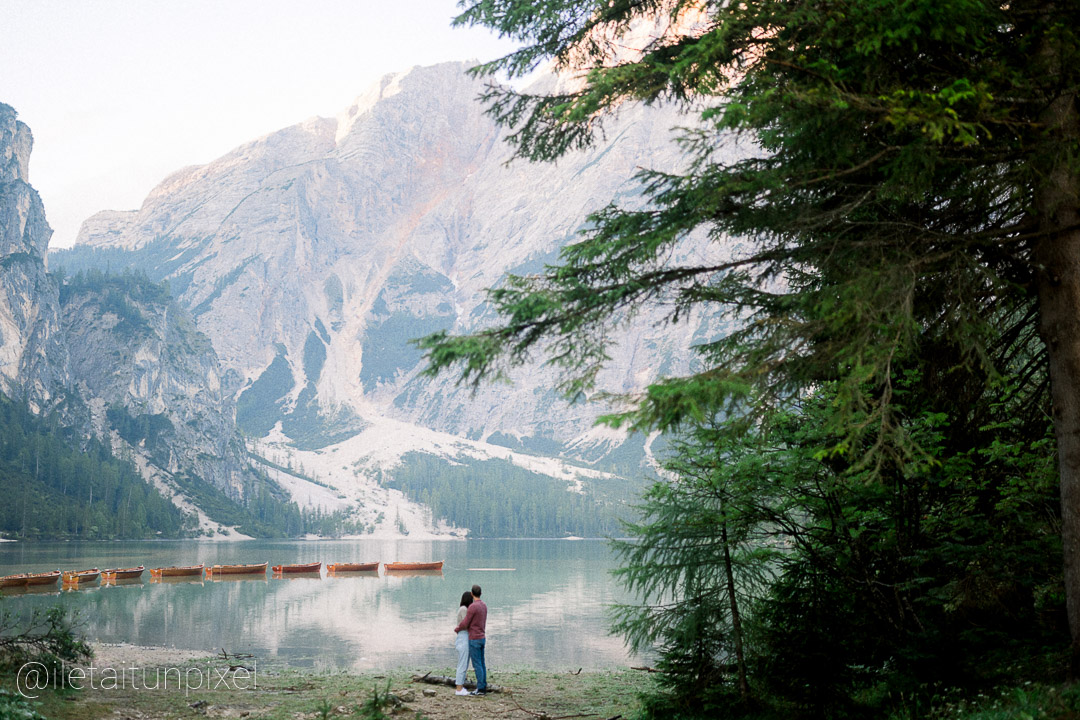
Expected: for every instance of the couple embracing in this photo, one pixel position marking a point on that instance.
(470, 641)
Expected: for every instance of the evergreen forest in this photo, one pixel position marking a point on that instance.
(61, 486)
(495, 498)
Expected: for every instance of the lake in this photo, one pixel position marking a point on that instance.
(547, 600)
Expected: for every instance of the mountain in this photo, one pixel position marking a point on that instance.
(312, 255)
(112, 399)
(153, 378)
(33, 359)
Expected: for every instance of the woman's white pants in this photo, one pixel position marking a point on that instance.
(461, 642)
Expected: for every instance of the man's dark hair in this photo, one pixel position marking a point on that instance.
(476, 590)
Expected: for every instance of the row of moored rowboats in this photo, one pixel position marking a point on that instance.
(209, 571)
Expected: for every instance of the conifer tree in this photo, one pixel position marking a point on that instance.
(914, 180)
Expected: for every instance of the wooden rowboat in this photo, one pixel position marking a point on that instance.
(395, 566)
(13, 581)
(125, 574)
(45, 578)
(306, 568)
(183, 571)
(82, 576)
(254, 569)
(353, 567)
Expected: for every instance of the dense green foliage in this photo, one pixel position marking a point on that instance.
(852, 593)
(265, 511)
(259, 407)
(16, 707)
(46, 636)
(157, 260)
(495, 498)
(868, 465)
(386, 348)
(59, 486)
(57, 490)
(117, 294)
(146, 428)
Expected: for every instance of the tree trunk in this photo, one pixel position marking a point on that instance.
(1057, 259)
(736, 620)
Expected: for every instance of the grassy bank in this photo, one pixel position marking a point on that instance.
(276, 692)
(283, 693)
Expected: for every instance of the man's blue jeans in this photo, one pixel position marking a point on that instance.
(476, 654)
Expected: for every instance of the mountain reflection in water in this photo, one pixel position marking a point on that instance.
(548, 601)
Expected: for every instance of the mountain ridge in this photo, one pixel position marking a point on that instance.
(395, 232)
(312, 255)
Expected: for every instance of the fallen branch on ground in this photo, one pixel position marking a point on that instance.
(444, 680)
(233, 667)
(544, 716)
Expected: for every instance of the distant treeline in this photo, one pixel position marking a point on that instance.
(267, 512)
(134, 285)
(58, 486)
(495, 498)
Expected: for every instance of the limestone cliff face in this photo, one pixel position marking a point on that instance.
(33, 360)
(129, 359)
(154, 378)
(311, 256)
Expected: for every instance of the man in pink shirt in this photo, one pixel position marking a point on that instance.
(475, 622)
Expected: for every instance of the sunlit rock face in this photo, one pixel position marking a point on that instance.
(33, 361)
(155, 380)
(312, 255)
(130, 363)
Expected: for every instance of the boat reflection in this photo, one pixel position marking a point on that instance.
(298, 576)
(80, 587)
(31, 590)
(243, 577)
(376, 621)
(176, 580)
(414, 573)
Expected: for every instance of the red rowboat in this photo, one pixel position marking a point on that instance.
(183, 571)
(13, 580)
(353, 567)
(308, 568)
(237, 569)
(45, 578)
(82, 576)
(125, 574)
(392, 566)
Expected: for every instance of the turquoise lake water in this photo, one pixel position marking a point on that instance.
(548, 601)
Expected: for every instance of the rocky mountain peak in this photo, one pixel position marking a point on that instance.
(16, 142)
(311, 257)
(33, 360)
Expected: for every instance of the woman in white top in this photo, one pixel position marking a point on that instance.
(461, 643)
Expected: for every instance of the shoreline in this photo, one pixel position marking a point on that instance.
(227, 688)
(125, 654)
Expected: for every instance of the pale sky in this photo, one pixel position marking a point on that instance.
(120, 93)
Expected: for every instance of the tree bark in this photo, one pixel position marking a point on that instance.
(736, 620)
(1057, 260)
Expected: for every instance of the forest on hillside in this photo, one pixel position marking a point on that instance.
(495, 498)
(58, 485)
